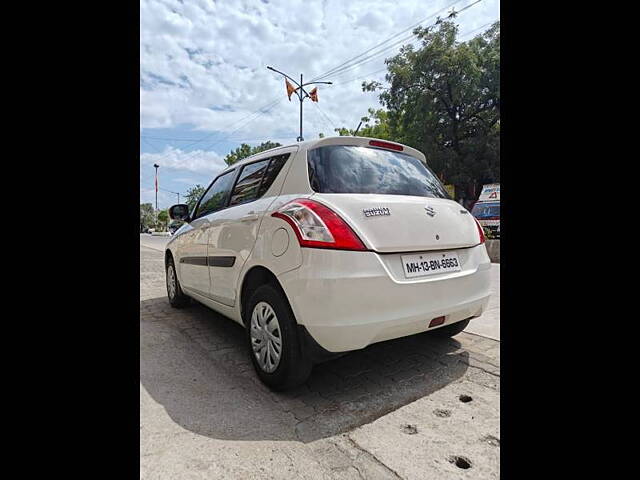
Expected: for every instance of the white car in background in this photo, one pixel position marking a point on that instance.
(328, 246)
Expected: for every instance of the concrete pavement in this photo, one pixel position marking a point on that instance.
(153, 241)
(488, 325)
(410, 408)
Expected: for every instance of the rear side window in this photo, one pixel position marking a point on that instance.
(352, 169)
(246, 189)
(272, 172)
(256, 178)
(215, 198)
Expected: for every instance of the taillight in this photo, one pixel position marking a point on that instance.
(318, 226)
(480, 230)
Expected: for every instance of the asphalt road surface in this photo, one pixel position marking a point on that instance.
(411, 408)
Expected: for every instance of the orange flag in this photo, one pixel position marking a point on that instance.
(313, 94)
(290, 88)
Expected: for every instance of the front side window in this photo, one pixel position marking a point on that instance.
(215, 198)
(352, 169)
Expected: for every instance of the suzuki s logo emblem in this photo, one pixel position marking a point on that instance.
(430, 211)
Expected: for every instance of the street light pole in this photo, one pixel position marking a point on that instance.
(300, 139)
(299, 91)
(156, 215)
(156, 167)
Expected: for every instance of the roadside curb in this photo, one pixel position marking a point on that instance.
(493, 249)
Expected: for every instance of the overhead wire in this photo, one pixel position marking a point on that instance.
(332, 70)
(414, 44)
(382, 52)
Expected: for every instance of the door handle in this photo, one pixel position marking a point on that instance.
(249, 218)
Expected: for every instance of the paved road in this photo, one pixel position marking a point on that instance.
(156, 242)
(392, 410)
(488, 325)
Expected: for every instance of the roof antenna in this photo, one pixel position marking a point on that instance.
(356, 132)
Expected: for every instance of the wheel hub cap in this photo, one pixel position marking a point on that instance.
(171, 282)
(266, 338)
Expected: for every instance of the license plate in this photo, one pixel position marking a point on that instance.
(425, 264)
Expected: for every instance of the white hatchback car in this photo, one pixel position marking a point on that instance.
(328, 246)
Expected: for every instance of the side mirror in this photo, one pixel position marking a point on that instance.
(179, 212)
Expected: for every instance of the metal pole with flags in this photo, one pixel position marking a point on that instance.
(300, 92)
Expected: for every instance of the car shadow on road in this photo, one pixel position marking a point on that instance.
(194, 363)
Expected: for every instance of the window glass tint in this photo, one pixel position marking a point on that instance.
(272, 172)
(485, 210)
(216, 196)
(246, 189)
(351, 169)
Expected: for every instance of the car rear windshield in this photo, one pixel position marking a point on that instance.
(485, 210)
(352, 169)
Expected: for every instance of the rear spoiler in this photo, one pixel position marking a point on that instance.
(370, 142)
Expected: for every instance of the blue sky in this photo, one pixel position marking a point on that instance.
(203, 74)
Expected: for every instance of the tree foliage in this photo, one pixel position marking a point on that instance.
(163, 219)
(193, 195)
(147, 216)
(444, 100)
(244, 151)
(378, 129)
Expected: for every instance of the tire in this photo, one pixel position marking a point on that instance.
(292, 367)
(177, 298)
(451, 330)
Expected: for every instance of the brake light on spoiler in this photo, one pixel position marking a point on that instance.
(390, 146)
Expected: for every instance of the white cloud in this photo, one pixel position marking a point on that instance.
(203, 63)
(199, 161)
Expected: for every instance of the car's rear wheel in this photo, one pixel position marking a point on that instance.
(451, 330)
(177, 298)
(272, 335)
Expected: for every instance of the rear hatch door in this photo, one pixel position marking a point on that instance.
(391, 199)
(400, 223)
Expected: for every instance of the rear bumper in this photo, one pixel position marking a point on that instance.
(348, 300)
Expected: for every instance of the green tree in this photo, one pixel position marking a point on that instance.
(244, 151)
(378, 129)
(147, 217)
(163, 219)
(193, 195)
(444, 99)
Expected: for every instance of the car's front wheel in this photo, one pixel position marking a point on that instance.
(272, 335)
(177, 298)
